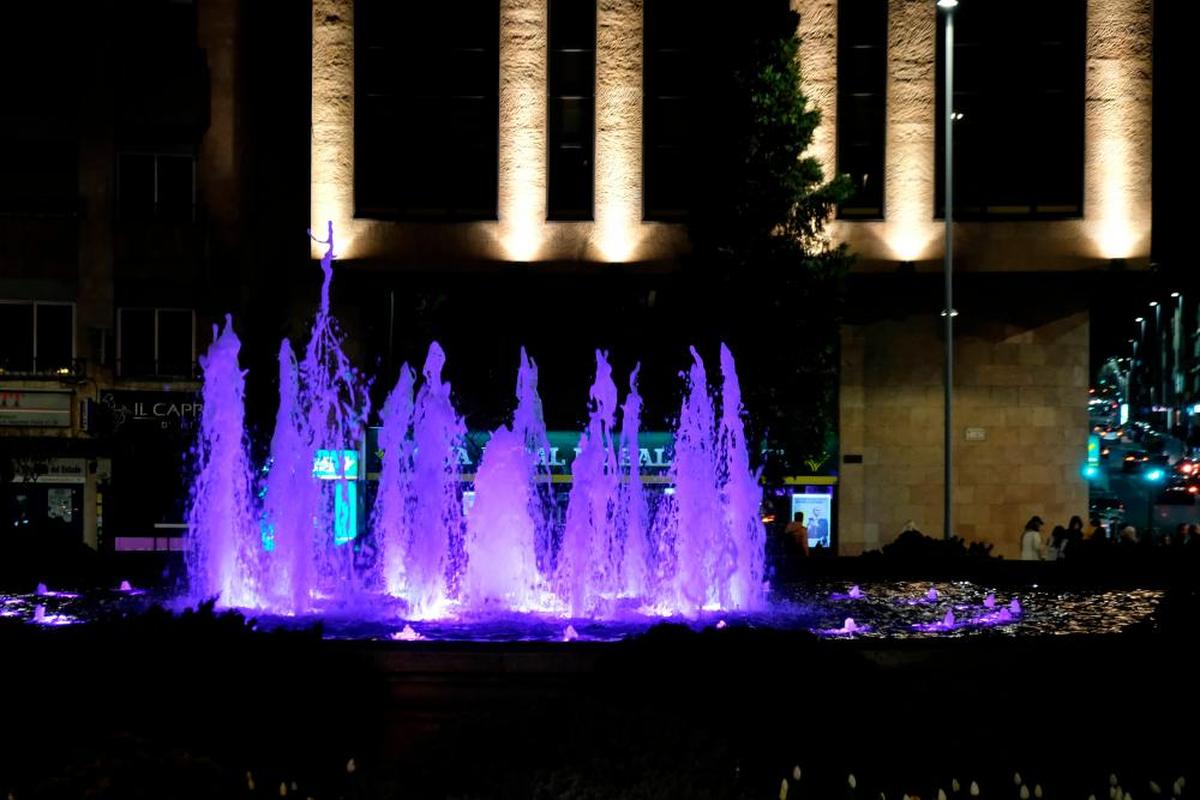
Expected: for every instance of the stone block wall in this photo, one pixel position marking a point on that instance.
(1021, 386)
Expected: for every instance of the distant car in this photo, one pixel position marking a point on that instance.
(1135, 460)
(1176, 505)
(1108, 509)
(1188, 467)
(1111, 434)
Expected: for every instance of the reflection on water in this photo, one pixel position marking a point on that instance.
(892, 610)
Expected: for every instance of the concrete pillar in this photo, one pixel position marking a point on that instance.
(1118, 106)
(618, 195)
(909, 150)
(332, 150)
(523, 154)
(818, 74)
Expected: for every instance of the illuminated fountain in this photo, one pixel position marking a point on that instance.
(285, 539)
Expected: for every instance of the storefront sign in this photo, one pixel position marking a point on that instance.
(167, 410)
(49, 470)
(35, 408)
(655, 452)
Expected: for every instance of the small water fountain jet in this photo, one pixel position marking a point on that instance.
(407, 634)
(849, 628)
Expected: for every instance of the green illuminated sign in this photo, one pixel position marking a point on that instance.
(655, 452)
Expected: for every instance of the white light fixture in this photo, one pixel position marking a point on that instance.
(1139, 320)
(1175, 294)
(1154, 304)
(947, 3)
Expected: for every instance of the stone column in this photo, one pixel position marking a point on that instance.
(1118, 108)
(909, 168)
(523, 154)
(332, 148)
(618, 128)
(818, 74)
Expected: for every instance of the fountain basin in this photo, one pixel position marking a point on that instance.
(882, 613)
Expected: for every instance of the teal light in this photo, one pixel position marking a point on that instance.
(341, 468)
(1154, 475)
(345, 512)
(1091, 471)
(267, 531)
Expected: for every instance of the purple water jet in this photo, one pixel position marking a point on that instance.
(585, 569)
(507, 532)
(221, 554)
(435, 552)
(392, 515)
(634, 571)
(286, 538)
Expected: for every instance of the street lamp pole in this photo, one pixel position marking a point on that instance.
(948, 312)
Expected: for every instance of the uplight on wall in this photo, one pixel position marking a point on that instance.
(523, 158)
(331, 149)
(1117, 127)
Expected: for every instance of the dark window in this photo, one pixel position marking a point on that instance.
(156, 186)
(668, 91)
(862, 102)
(16, 337)
(38, 176)
(1018, 86)
(175, 342)
(175, 188)
(157, 342)
(37, 338)
(55, 337)
(136, 356)
(427, 109)
(571, 88)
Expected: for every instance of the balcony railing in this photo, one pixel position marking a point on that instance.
(43, 369)
(158, 370)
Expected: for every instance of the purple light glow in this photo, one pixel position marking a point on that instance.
(273, 539)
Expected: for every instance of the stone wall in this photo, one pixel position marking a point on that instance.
(1020, 383)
